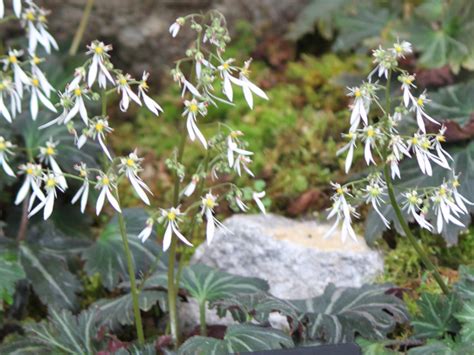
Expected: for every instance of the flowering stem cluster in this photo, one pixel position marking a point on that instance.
(375, 125)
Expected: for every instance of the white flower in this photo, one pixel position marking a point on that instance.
(146, 232)
(105, 183)
(47, 155)
(51, 183)
(172, 217)
(19, 76)
(458, 198)
(225, 70)
(233, 147)
(413, 204)
(374, 194)
(130, 165)
(37, 94)
(208, 203)
(48, 40)
(66, 102)
(79, 105)
(349, 147)
(443, 155)
(445, 208)
(243, 161)
(421, 144)
(240, 204)
(407, 84)
(98, 129)
(124, 88)
(83, 192)
(98, 67)
(257, 197)
(39, 75)
(248, 87)
(34, 19)
(400, 49)
(5, 150)
(343, 212)
(31, 183)
(176, 26)
(187, 86)
(8, 90)
(371, 134)
(398, 147)
(191, 187)
(151, 104)
(420, 113)
(360, 107)
(191, 111)
(385, 60)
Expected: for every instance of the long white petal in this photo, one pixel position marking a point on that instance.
(100, 200)
(48, 206)
(210, 228)
(112, 200)
(167, 237)
(138, 189)
(22, 192)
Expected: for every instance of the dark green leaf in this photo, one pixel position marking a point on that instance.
(437, 315)
(238, 338)
(208, 284)
(340, 313)
(24, 346)
(119, 311)
(48, 273)
(107, 256)
(66, 333)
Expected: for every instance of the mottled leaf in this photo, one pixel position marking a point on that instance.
(238, 338)
(10, 272)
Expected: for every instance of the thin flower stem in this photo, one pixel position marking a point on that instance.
(202, 318)
(81, 28)
(131, 274)
(393, 201)
(418, 248)
(172, 287)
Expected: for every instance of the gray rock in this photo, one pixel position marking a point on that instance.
(292, 256)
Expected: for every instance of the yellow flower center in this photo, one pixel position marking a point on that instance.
(413, 199)
(234, 134)
(130, 162)
(193, 108)
(13, 59)
(339, 191)
(397, 48)
(442, 191)
(83, 173)
(210, 202)
(2, 145)
(370, 132)
(171, 216)
(144, 85)
(357, 93)
(441, 138)
(36, 60)
(50, 182)
(42, 18)
(456, 183)
(105, 180)
(30, 16)
(407, 81)
(426, 144)
(350, 135)
(123, 81)
(414, 141)
(99, 126)
(225, 66)
(99, 50)
(35, 82)
(420, 101)
(29, 171)
(50, 151)
(77, 91)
